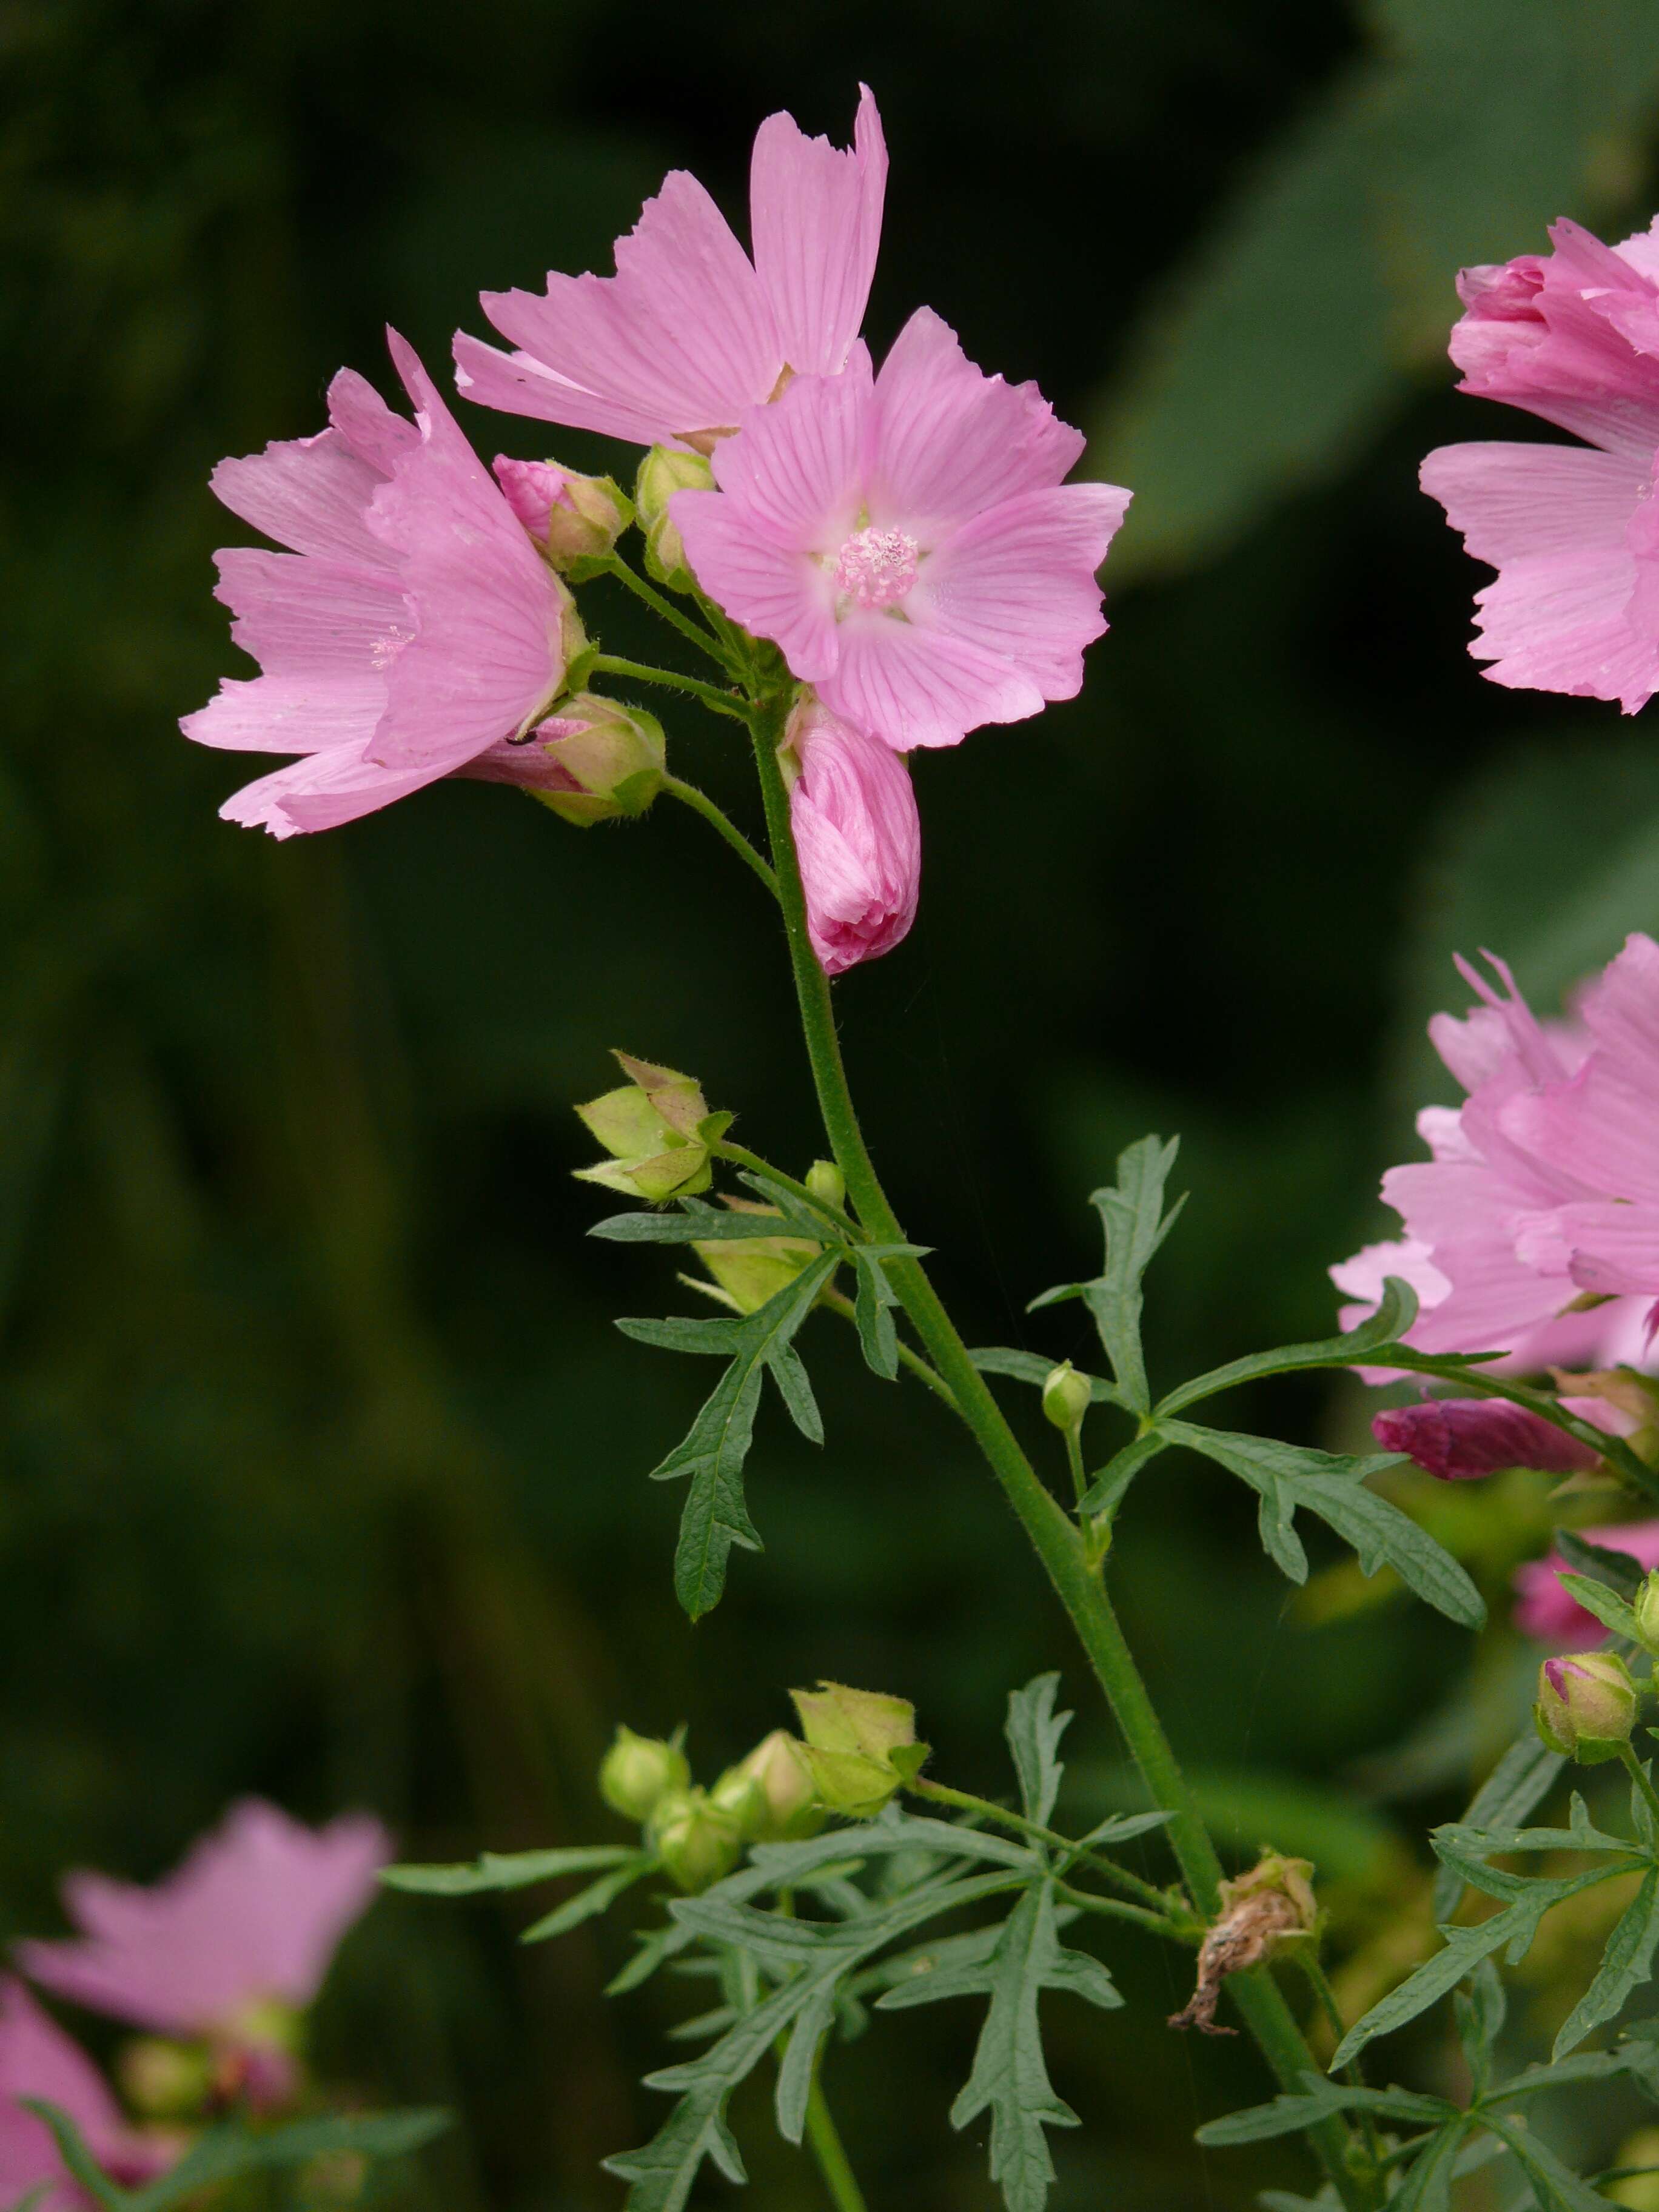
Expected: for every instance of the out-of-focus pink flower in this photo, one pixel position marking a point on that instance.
(36, 2059)
(859, 837)
(690, 331)
(1460, 1439)
(242, 1933)
(411, 632)
(1573, 335)
(1548, 1613)
(906, 539)
(1487, 1276)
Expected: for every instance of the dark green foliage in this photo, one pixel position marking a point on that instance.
(229, 2152)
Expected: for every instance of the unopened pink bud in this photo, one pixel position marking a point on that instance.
(859, 837)
(568, 515)
(1460, 1439)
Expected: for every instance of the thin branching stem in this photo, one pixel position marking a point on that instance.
(986, 1809)
(660, 604)
(701, 803)
(718, 702)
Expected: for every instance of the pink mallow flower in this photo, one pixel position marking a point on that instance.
(1571, 335)
(906, 539)
(36, 2059)
(1546, 1611)
(858, 836)
(1460, 1439)
(689, 331)
(230, 1946)
(411, 632)
(1482, 1248)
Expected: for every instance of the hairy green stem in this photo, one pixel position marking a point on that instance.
(1074, 1461)
(1308, 1959)
(719, 702)
(660, 604)
(1114, 1908)
(941, 1793)
(1056, 1540)
(701, 803)
(831, 2152)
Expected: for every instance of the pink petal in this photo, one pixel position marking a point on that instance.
(310, 494)
(489, 653)
(1548, 333)
(323, 791)
(302, 617)
(374, 431)
(517, 384)
(682, 336)
(254, 1915)
(1019, 579)
(950, 440)
(815, 213)
(1555, 521)
(913, 686)
(796, 468)
(1514, 502)
(288, 714)
(773, 590)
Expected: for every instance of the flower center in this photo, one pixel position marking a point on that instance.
(877, 567)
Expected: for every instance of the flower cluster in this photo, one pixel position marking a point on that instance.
(219, 1962)
(1533, 1231)
(903, 537)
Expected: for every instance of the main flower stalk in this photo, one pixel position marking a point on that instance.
(1058, 1542)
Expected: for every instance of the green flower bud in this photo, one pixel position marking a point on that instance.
(774, 1785)
(662, 473)
(753, 1268)
(608, 761)
(851, 1737)
(1065, 1397)
(827, 1183)
(1646, 1609)
(1586, 1706)
(656, 1129)
(165, 2081)
(637, 1770)
(697, 1842)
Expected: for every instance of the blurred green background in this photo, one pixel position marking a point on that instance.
(323, 1469)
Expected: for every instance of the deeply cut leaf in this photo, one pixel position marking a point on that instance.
(1287, 1477)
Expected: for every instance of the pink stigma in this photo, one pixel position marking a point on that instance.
(877, 567)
